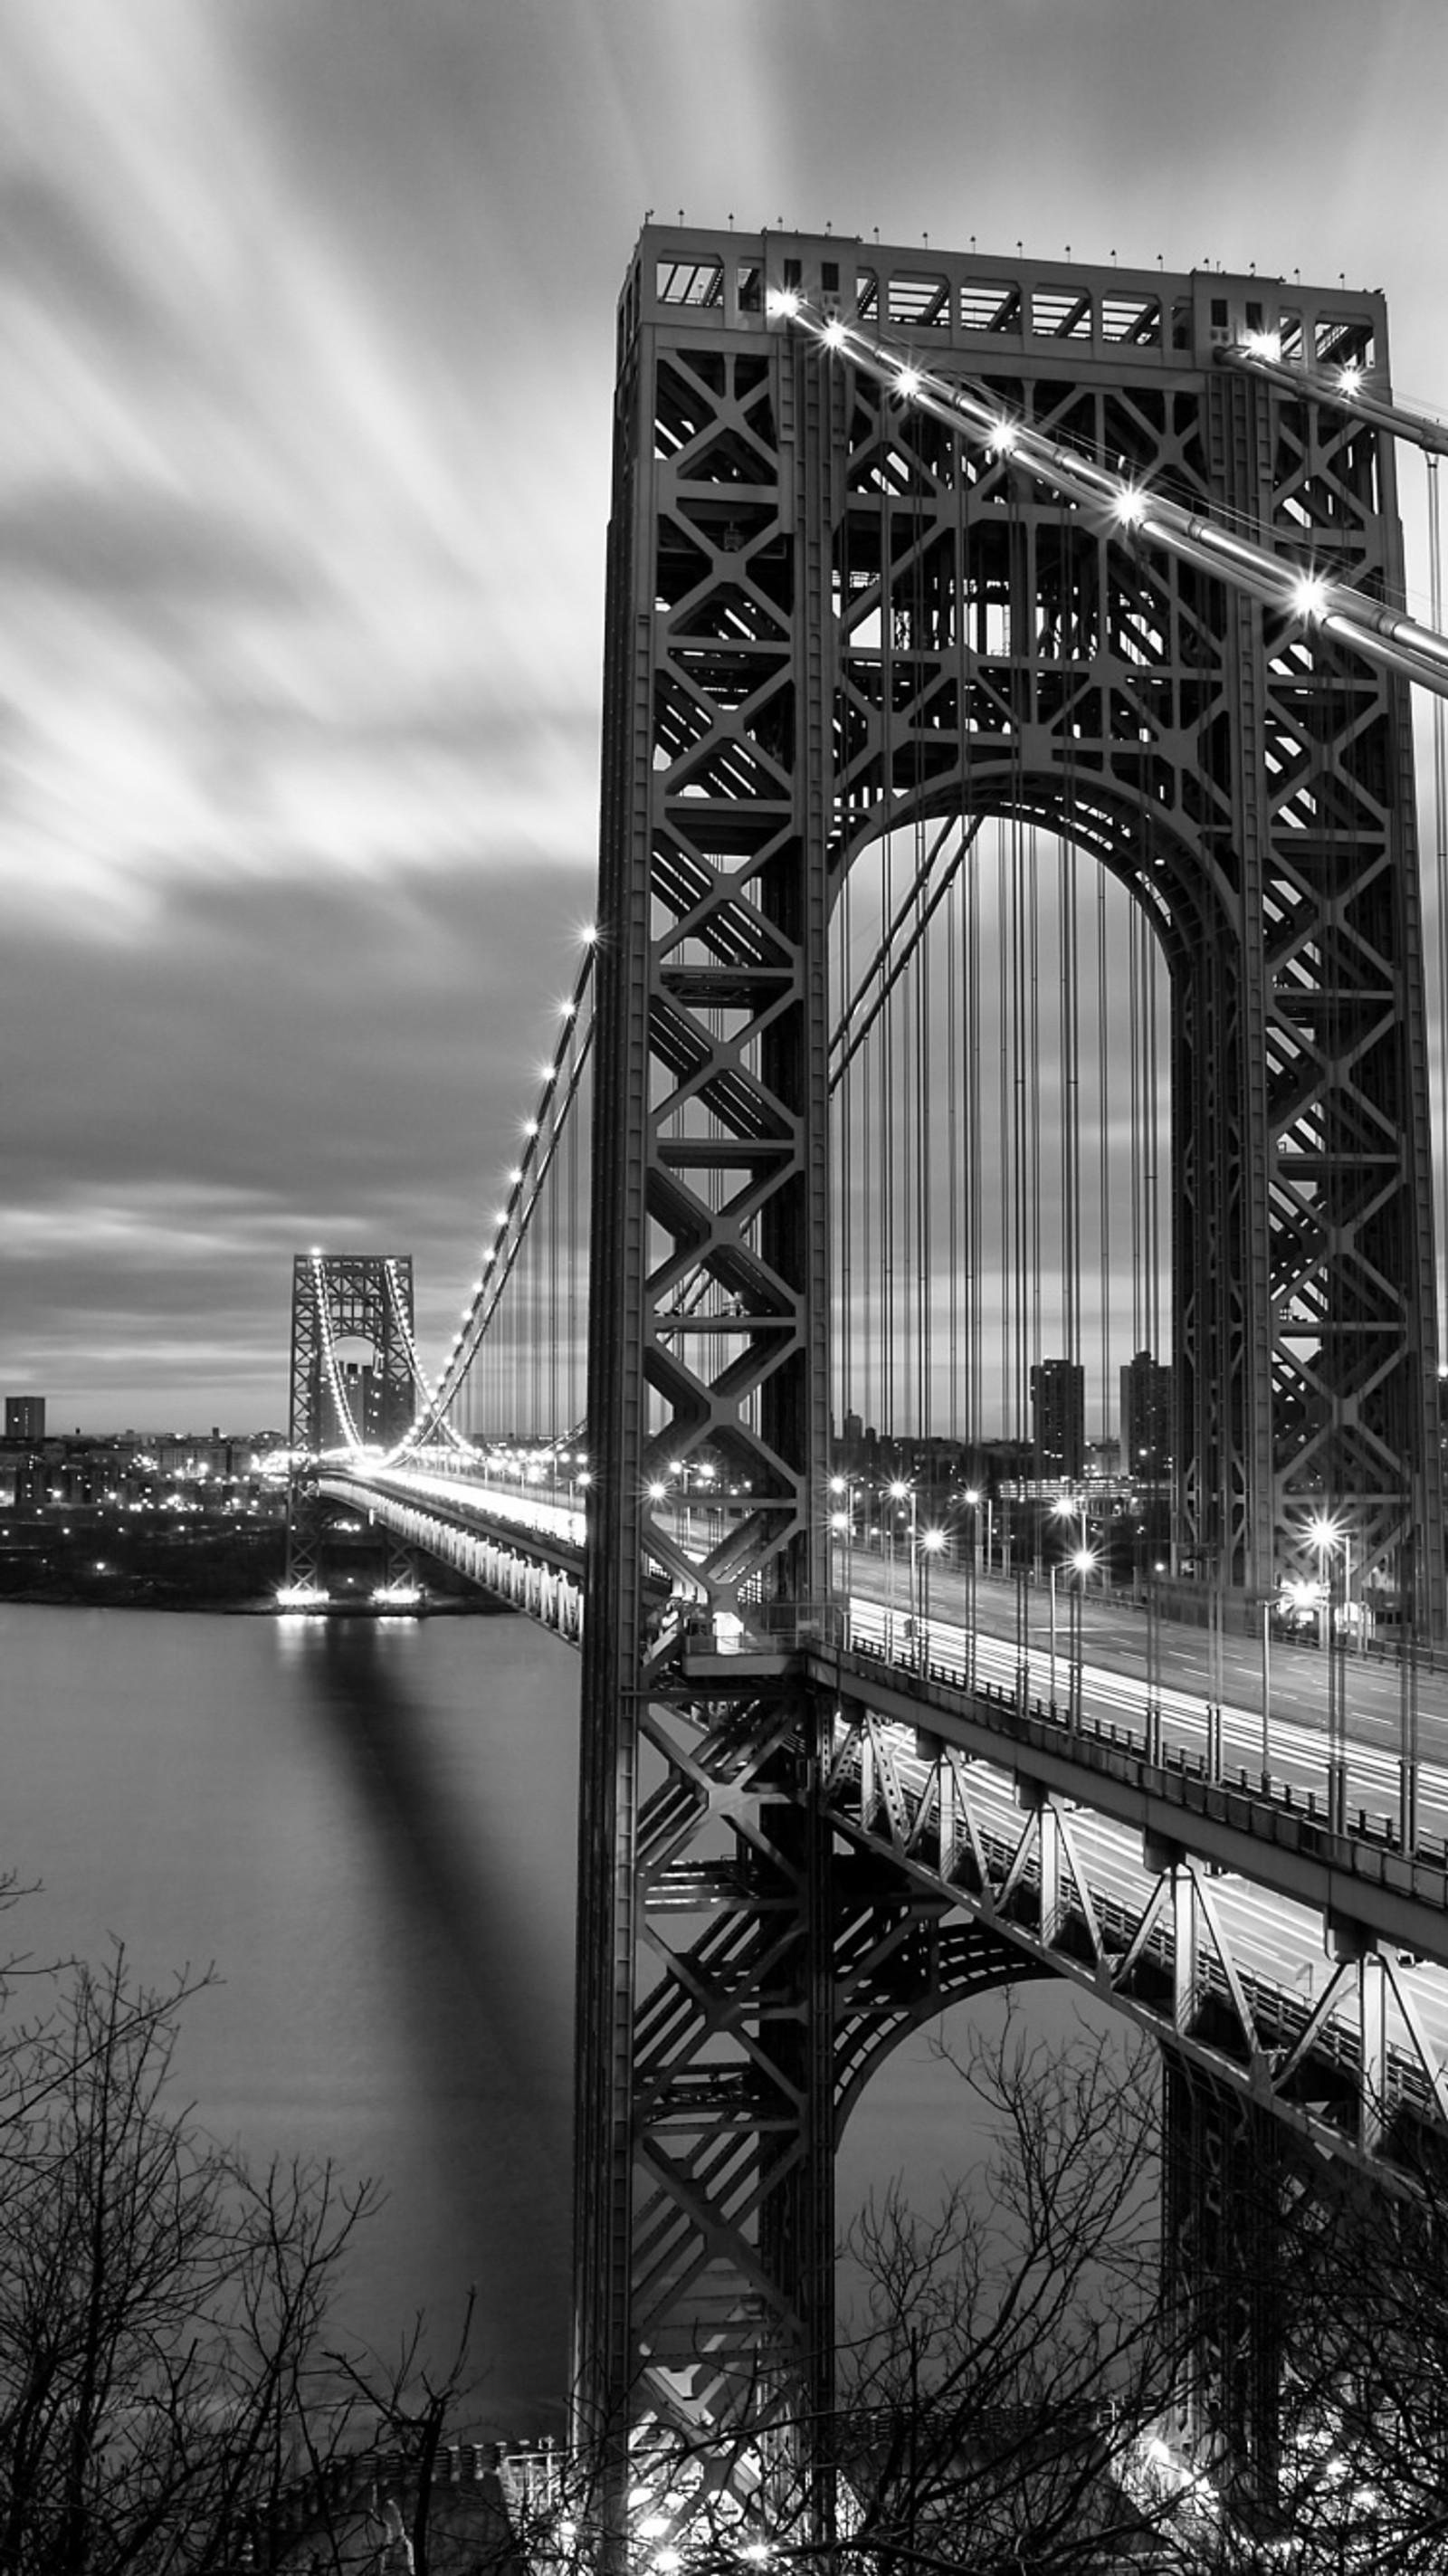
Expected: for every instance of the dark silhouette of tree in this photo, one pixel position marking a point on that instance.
(161, 2301)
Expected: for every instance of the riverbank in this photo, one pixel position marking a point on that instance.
(222, 1570)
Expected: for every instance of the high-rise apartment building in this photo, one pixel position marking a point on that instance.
(1058, 1418)
(25, 1417)
(1146, 1418)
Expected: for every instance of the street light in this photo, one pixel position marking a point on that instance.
(1083, 1561)
(931, 1543)
(842, 1524)
(974, 1498)
(900, 1492)
(1327, 1536)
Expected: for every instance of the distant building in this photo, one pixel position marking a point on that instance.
(1058, 1418)
(1146, 1419)
(25, 1417)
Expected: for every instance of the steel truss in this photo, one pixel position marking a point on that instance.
(498, 1560)
(339, 1297)
(1351, 2066)
(830, 615)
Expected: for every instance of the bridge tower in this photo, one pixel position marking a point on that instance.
(828, 616)
(352, 1374)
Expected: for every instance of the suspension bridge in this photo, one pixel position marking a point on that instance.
(1009, 951)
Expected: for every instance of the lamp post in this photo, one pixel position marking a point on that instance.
(931, 1543)
(1267, 1695)
(842, 1524)
(973, 1497)
(679, 1473)
(1083, 1562)
(900, 1492)
(1327, 1537)
(1053, 1637)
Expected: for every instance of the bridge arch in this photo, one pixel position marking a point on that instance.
(999, 654)
(912, 1959)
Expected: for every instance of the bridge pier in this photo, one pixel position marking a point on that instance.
(1225, 2191)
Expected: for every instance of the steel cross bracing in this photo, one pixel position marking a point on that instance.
(831, 613)
(360, 1297)
(1136, 1885)
(1313, 861)
(364, 1298)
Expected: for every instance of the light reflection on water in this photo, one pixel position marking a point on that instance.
(369, 1827)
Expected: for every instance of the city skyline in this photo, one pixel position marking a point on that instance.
(304, 511)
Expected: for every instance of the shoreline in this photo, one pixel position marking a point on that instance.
(482, 1607)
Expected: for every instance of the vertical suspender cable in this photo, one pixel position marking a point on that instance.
(1103, 1157)
(1440, 883)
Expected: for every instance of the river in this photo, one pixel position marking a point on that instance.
(368, 1828)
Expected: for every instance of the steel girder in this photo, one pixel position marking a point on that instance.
(827, 616)
(1350, 2063)
(490, 1557)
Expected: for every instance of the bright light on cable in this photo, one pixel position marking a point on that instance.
(782, 303)
(1264, 344)
(908, 383)
(1130, 506)
(1351, 378)
(834, 334)
(1002, 439)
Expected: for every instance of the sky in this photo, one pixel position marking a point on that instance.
(306, 320)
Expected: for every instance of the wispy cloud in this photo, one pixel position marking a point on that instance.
(306, 314)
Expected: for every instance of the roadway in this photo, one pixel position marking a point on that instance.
(1119, 1662)
(1127, 1659)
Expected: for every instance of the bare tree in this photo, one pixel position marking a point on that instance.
(1006, 2363)
(161, 2301)
(1016, 2352)
(1359, 2479)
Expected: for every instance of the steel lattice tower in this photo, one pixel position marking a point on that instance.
(357, 1297)
(827, 616)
